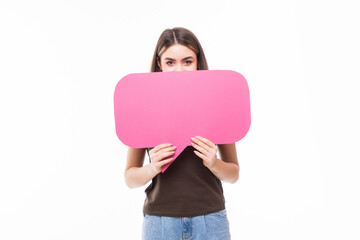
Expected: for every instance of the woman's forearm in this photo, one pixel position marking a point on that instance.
(139, 176)
(225, 171)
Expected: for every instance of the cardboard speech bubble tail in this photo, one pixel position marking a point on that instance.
(179, 148)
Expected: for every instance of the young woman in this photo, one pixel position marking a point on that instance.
(186, 201)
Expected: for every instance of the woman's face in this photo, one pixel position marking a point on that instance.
(178, 58)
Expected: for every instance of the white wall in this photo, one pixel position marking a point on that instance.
(61, 163)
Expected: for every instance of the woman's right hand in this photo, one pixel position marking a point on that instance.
(158, 155)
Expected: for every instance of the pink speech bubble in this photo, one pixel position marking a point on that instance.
(171, 107)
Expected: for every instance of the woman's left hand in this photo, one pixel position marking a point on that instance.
(206, 150)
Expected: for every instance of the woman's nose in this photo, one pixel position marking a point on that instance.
(179, 67)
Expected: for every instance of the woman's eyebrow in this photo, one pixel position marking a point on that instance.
(188, 58)
(167, 58)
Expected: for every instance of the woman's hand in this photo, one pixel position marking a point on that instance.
(158, 155)
(206, 150)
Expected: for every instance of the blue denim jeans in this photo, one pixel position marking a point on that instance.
(204, 227)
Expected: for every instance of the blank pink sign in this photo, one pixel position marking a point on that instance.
(171, 107)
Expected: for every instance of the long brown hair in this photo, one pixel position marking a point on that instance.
(178, 35)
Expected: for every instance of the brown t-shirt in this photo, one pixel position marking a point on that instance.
(186, 189)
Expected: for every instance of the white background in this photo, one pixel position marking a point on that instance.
(61, 163)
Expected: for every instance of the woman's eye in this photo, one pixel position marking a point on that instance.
(187, 62)
(168, 63)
